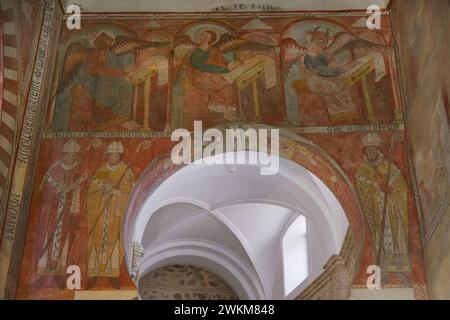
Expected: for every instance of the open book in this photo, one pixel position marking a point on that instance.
(253, 68)
(140, 75)
(238, 71)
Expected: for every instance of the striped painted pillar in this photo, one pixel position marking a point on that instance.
(18, 142)
(10, 96)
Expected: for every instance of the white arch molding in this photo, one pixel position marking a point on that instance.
(211, 256)
(195, 216)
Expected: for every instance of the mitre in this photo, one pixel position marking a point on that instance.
(371, 140)
(115, 147)
(71, 146)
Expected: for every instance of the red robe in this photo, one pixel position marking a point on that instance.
(63, 200)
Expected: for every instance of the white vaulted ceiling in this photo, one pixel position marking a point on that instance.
(243, 226)
(123, 6)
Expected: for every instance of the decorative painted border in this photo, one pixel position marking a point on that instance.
(218, 15)
(27, 149)
(22, 75)
(166, 134)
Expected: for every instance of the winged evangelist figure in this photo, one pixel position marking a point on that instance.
(321, 73)
(201, 61)
(92, 92)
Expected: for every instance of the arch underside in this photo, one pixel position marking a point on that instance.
(307, 178)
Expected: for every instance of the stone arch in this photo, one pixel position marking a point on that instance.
(191, 282)
(338, 274)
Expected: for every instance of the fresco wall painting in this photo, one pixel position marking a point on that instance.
(121, 85)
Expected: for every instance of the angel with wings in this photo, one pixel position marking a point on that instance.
(321, 73)
(93, 93)
(202, 63)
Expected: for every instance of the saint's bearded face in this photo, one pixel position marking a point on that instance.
(372, 153)
(70, 158)
(113, 159)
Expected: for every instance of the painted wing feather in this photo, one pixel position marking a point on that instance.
(291, 51)
(124, 44)
(346, 41)
(75, 56)
(229, 43)
(182, 51)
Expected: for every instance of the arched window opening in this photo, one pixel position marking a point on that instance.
(295, 255)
